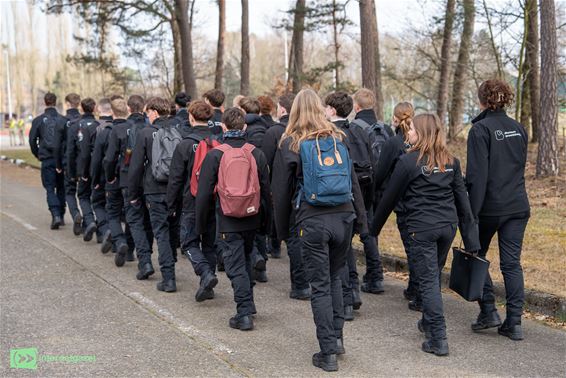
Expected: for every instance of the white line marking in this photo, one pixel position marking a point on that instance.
(20, 221)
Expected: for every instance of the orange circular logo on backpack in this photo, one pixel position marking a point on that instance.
(328, 161)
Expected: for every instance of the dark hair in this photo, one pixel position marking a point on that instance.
(172, 109)
(286, 101)
(116, 97)
(234, 118)
(341, 101)
(182, 99)
(159, 104)
(215, 97)
(200, 110)
(495, 94)
(50, 99)
(266, 105)
(136, 103)
(88, 105)
(250, 105)
(73, 99)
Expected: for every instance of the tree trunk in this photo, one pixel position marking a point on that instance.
(336, 46)
(220, 47)
(185, 31)
(245, 61)
(492, 40)
(525, 113)
(442, 98)
(367, 45)
(461, 72)
(378, 91)
(177, 70)
(296, 56)
(547, 158)
(533, 78)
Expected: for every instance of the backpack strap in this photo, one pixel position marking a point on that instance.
(223, 147)
(195, 137)
(360, 122)
(248, 147)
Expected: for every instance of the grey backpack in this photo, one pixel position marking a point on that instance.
(165, 141)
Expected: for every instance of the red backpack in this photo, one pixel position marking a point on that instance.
(204, 146)
(238, 181)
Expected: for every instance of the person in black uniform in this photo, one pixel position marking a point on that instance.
(42, 144)
(428, 179)
(182, 100)
(495, 177)
(236, 234)
(266, 107)
(199, 248)
(299, 284)
(392, 150)
(215, 98)
(155, 193)
(326, 232)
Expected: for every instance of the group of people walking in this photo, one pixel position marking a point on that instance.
(227, 186)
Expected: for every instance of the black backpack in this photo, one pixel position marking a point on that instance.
(360, 152)
(131, 134)
(378, 133)
(82, 125)
(48, 134)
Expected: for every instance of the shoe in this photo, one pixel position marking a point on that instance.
(220, 266)
(373, 287)
(63, 220)
(423, 329)
(415, 306)
(130, 255)
(207, 282)
(89, 232)
(145, 271)
(514, 332)
(106, 242)
(326, 362)
(356, 299)
(56, 221)
(486, 320)
(340, 346)
(436, 347)
(169, 286)
(348, 313)
(260, 275)
(243, 323)
(275, 253)
(78, 224)
(300, 294)
(120, 257)
(409, 295)
(99, 237)
(259, 263)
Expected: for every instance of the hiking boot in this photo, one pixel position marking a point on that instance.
(130, 255)
(169, 286)
(423, 329)
(514, 332)
(120, 257)
(106, 242)
(207, 282)
(348, 313)
(436, 347)
(300, 294)
(356, 299)
(373, 287)
(99, 237)
(415, 306)
(89, 232)
(258, 262)
(326, 362)
(486, 320)
(340, 346)
(78, 224)
(145, 271)
(260, 275)
(56, 221)
(243, 323)
(409, 295)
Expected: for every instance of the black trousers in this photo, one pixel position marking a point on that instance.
(199, 248)
(326, 240)
(137, 216)
(84, 192)
(98, 200)
(431, 249)
(413, 286)
(54, 184)
(71, 185)
(159, 216)
(114, 211)
(237, 249)
(298, 273)
(510, 231)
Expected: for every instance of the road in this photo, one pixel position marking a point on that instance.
(62, 296)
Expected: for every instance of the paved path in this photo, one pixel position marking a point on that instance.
(63, 297)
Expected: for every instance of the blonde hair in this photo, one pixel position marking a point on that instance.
(404, 112)
(364, 98)
(307, 120)
(431, 142)
(119, 107)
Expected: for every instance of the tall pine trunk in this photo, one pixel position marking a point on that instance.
(336, 46)
(220, 46)
(185, 29)
(461, 73)
(296, 54)
(533, 75)
(367, 45)
(245, 59)
(547, 158)
(177, 64)
(442, 98)
(378, 90)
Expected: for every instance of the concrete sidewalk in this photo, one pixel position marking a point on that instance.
(63, 297)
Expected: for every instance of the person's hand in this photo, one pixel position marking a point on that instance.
(113, 181)
(84, 178)
(97, 186)
(58, 170)
(134, 202)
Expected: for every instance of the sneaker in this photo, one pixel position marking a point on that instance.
(243, 323)
(326, 362)
(120, 257)
(106, 242)
(436, 347)
(78, 224)
(373, 287)
(348, 313)
(486, 320)
(145, 271)
(169, 286)
(300, 294)
(207, 282)
(514, 332)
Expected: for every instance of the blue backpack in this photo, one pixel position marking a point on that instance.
(327, 175)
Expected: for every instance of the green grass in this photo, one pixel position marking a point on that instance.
(24, 154)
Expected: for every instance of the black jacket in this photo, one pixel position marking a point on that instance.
(86, 146)
(97, 171)
(216, 123)
(114, 167)
(208, 180)
(268, 120)
(271, 140)
(180, 171)
(287, 174)
(432, 200)
(38, 134)
(183, 117)
(495, 173)
(140, 164)
(74, 138)
(61, 134)
(255, 129)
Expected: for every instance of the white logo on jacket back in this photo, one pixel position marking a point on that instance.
(500, 135)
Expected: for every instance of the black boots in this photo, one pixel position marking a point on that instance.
(487, 320)
(415, 306)
(243, 323)
(514, 332)
(300, 294)
(89, 232)
(356, 299)
(207, 282)
(56, 221)
(106, 242)
(348, 313)
(326, 362)
(145, 271)
(436, 347)
(373, 287)
(168, 286)
(120, 257)
(78, 224)
(340, 346)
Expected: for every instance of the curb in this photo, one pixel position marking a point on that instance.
(535, 301)
(18, 162)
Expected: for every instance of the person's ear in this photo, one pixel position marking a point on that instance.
(191, 119)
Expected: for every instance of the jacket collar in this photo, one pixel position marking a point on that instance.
(368, 115)
(488, 113)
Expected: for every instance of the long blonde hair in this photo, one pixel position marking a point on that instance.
(404, 112)
(307, 120)
(431, 142)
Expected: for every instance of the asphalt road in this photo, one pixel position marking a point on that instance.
(62, 296)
